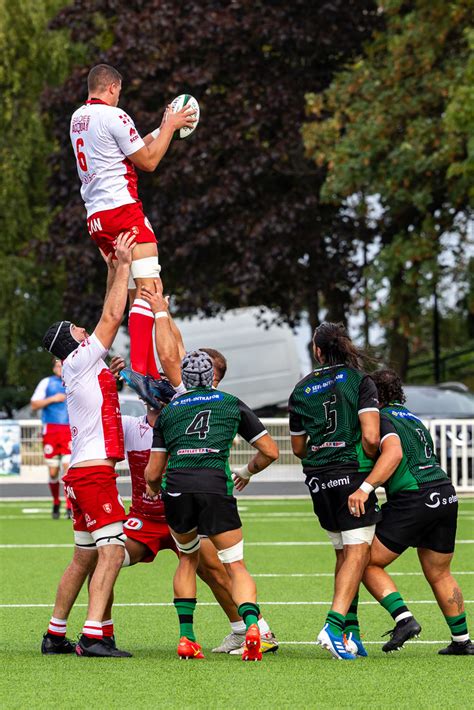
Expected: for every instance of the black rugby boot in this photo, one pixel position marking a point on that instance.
(403, 631)
(458, 648)
(52, 645)
(99, 648)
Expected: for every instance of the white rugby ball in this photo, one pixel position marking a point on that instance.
(177, 104)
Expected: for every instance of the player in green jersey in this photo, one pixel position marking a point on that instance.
(421, 511)
(334, 427)
(192, 441)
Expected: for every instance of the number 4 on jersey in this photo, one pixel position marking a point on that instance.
(200, 424)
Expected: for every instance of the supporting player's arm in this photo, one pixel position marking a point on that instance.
(370, 427)
(150, 155)
(253, 431)
(298, 435)
(299, 445)
(116, 300)
(155, 469)
(166, 345)
(390, 457)
(111, 265)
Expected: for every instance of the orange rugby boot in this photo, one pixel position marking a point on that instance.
(189, 649)
(252, 651)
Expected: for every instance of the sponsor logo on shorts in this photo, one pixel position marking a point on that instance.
(187, 452)
(329, 445)
(315, 486)
(94, 225)
(89, 521)
(133, 524)
(147, 224)
(48, 449)
(436, 500)
(107, 507)
(81, 123)
(70, 492)
(325, 384)
(197, 399)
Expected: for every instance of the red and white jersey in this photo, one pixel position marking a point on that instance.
(138, 436)
(102, 137)
(93, 404)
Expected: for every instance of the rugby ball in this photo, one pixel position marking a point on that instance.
(177, 104)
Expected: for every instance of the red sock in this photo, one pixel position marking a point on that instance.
(151, 364)
(54, 488)
(108, 628)
(140, 327)
(92, 629)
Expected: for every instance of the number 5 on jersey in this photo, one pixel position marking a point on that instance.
(200, 424)
(80, 155)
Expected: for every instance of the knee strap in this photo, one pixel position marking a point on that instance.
(232, 554)
(187, 548)
(146, 268)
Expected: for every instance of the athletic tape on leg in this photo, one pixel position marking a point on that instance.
(126, 559)
(146, 268)
(112, 534)
(187, 548)
(84, 540)
(232, 554)
(358, 536)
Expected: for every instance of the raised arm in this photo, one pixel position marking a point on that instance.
(166, 345)
(116, 299)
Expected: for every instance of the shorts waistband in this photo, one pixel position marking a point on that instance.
(90, 469)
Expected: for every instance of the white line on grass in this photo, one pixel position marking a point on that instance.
(331, 574)
(366, 643)
(293, 543)
(170, 604)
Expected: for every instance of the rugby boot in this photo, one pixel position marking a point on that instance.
(252, 650)
(161, 389)
(68, 514)
(231, 644)
(55, 511)
(405, 630)
(354, 646)
(458, 648)
(189, 649)
(99, 649)
(53, 645)
(334, 644)
(268, 644)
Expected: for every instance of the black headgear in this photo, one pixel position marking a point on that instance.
(58, 339)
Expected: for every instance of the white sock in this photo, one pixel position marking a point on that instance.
(238, 627)
(57, 627)
(263, 626)
(93, 629)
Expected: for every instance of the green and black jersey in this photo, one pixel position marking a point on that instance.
(419, 464)
(197, 430)
(325, 406)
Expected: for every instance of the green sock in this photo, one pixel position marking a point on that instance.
(249, 613)
(395, 606)
(458, 627)
(351, 625)
(185, 609)
(335, 622)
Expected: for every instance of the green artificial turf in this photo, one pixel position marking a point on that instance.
(299, 675)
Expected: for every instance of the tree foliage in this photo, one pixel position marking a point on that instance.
(30, 295)
(397, 124)
(236, 206)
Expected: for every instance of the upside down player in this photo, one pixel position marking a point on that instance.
(97, 444)
(108, 148)
(50, 397)
(421, 511)
(197, 430)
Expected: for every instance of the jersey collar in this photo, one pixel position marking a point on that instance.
(96, 101)
(328, 367)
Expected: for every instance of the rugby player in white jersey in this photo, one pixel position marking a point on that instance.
(97, 444)
(108, 148)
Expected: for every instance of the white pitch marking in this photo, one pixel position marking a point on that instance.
(366, 643)
(170, 604)
(331, 574)
(29, 511)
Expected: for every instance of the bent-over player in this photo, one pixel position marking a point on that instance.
(196, 432)
(97, 444)
(421, 512)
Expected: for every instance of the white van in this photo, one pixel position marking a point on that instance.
(263, 363)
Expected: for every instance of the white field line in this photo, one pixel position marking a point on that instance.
(366, 643)
(331, 574)
(261, 603)
(293, 543)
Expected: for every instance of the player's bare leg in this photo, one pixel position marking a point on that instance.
(230, 548)
(184, 588)
(74, 576)
(381, 586)
(349, 576)
(437, 570)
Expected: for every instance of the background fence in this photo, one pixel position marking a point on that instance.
(453, 439)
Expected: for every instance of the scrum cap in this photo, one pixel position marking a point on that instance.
(197, 369)
(58, 339)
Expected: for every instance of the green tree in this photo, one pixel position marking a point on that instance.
(396, 125)
(30, 294)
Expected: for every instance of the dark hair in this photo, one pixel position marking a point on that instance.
(218, 360)
(101, 76)
(389, 386)
(336, 346)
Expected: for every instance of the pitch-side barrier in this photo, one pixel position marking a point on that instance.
(453, 439)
